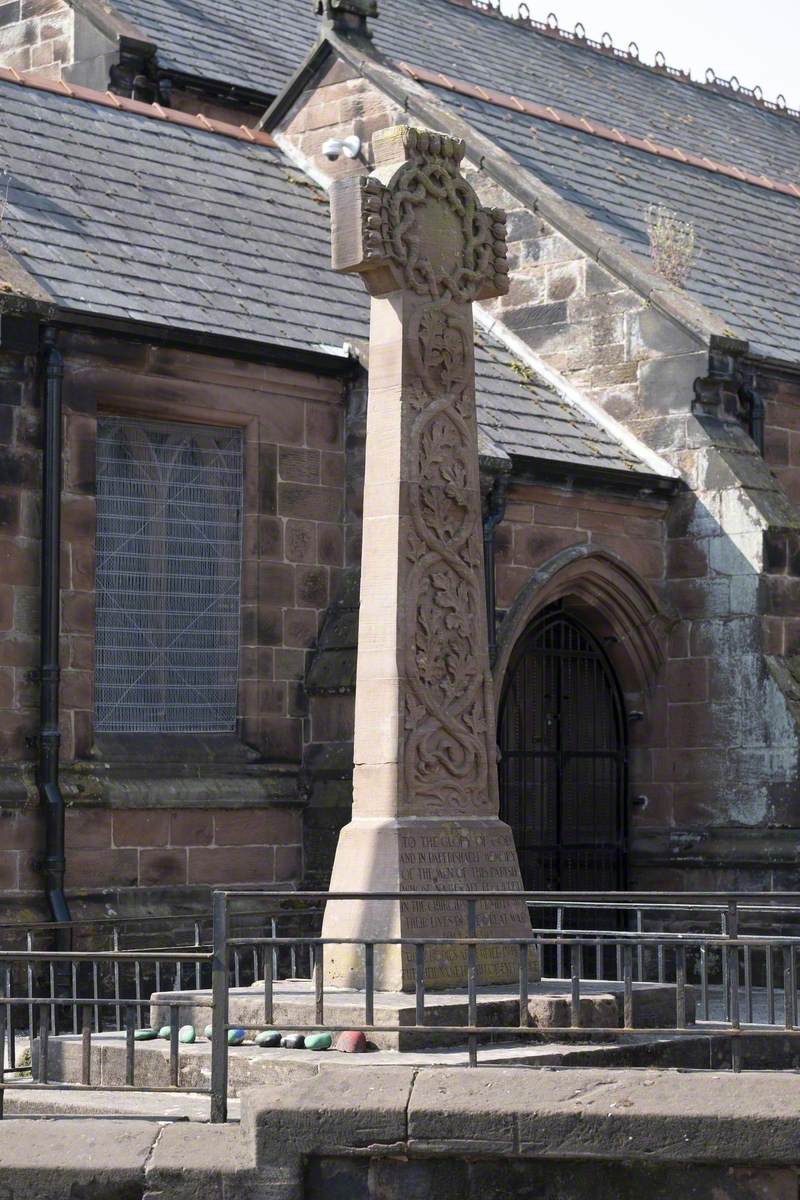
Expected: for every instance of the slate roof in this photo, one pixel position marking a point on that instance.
(128, 216)
(748, 239)
(261, 42)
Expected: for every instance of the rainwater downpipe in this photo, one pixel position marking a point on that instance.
(50, 795)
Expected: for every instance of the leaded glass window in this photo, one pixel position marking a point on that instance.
(169, 516)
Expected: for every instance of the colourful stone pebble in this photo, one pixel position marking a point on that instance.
(235, 1037)
(207, 1031)
(318, 1041)
(268, 1037)
(164, 1032)
(293, 1041)
(145, 1035)
(352, 1042)
(187, 1035)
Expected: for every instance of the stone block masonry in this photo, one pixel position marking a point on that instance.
(399, 1133)
(36, 36)
(121, 850)
(170, 812)
(714, 765)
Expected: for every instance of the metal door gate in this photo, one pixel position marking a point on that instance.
(563, 760)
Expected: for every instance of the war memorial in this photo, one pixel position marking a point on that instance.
(399, 557)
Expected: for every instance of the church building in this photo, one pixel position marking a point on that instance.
(183, 405)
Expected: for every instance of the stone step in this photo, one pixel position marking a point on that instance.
(549, 1007)
(251, 1066)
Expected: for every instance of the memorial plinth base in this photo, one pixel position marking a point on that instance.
(294, 1007)
(430, 854)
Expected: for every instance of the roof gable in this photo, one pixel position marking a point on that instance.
(259, 43)
(124, 214)
(747, 238)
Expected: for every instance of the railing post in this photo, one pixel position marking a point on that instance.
(680, 986)
(627, 984)
(44, 1042)
(472, 981)
(269, 1007)
(117, 993)
(130, 1044)
(732, 953)
(174, 1053)
(369, 983)
(86, 1046)
(219, 1017)
(524, 1016)
(2, 1057)
(419, 982)
(576, 958)
(319, 984)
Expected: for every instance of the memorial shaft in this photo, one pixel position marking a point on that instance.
(425, 798)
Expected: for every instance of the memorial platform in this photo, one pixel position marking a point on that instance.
(548, 1008)
(250, 1066)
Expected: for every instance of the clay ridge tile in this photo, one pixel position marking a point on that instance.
(155, 111)
(596, 129)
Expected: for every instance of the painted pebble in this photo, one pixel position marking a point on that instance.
(352, 1042)
(145, 1035)
(235, 1037)
(164, 1032)
(187, 1035)
(318, 1041)
(207, 1032)
(293, 1041)
(268, 1037)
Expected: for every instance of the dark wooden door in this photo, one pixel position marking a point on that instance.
(563, 759)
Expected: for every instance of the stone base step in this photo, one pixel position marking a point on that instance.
(250, 1066)
(548, 1008)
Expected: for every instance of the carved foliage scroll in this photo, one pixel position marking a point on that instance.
(449, 735)
(422, 231)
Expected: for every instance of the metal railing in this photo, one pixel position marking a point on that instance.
(43, 1017)
(680, 956)
(106, 986)
(730, 962)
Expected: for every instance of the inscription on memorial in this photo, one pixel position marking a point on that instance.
(458, 859)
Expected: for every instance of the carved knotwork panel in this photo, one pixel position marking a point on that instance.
(447, 731)
(417, 227)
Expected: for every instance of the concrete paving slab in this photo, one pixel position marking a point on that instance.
(645, 1116)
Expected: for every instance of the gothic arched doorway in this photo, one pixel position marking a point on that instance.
(563, 765)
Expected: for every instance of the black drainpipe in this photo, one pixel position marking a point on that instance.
(495, 511)
(50, 794)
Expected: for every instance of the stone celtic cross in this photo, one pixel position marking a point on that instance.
(425, 799)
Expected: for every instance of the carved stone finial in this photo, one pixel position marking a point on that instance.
(347, 16)
(420, 225)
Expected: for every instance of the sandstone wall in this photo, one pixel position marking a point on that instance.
(781, 395)
(721, 768)
(158, 811)
(36, 36)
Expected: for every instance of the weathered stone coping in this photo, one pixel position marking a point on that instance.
(654, 1116)
(659, 1118)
